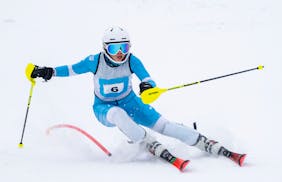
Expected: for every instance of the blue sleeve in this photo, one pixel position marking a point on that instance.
(89, 64)
(138, 68)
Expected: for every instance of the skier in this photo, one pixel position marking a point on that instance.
(115, 103)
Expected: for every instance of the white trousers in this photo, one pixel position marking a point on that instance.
(136, 133)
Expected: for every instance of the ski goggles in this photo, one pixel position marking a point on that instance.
(113, 48)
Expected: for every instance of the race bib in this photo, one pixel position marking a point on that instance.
(113, 88)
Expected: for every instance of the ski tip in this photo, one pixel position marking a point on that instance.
(242, 159)
(183, 165)
(180, 164)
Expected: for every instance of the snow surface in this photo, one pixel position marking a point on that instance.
(179, 42)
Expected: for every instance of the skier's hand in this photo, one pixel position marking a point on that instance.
(43, 72)
(144, 86)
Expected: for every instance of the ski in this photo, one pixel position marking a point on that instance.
(175, 161)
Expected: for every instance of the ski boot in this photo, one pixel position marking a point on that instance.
(214, 148)
(158, 150)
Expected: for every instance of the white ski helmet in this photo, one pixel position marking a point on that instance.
(115, 35)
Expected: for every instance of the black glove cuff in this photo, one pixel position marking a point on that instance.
(49, 73)
(144, 86)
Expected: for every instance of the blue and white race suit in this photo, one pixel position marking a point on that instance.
(113, 87)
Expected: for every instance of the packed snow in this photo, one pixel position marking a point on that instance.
(179, 42)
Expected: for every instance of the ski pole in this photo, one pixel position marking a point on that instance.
(150, 95)
(28, 71)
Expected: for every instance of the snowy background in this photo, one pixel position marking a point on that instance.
(179, 42)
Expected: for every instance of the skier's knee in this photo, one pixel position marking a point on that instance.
(114, 113)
